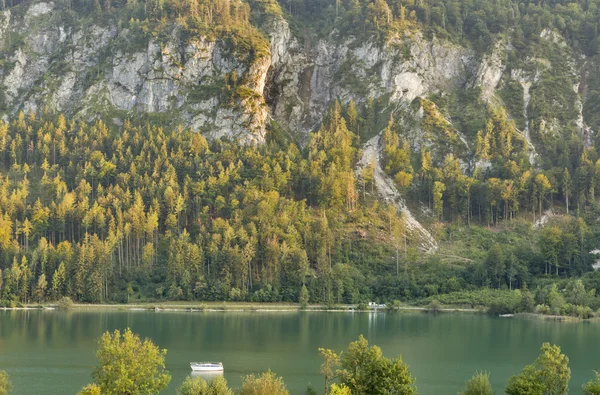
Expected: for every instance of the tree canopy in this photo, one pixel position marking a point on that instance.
(128, 365)
(549, 374)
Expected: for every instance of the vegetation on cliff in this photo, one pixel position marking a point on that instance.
(103, 214)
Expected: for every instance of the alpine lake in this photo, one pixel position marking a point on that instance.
(53, 352)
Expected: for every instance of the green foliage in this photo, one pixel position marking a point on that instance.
(65, 303)
(304, 297)
(328, 368)
(396, 158)
(527, 304)
(394, 306)
(476, 23)
(434, 306)
(553, 96)
(549, 374)
(10, 304)
(479, 298)
(439, 132)
(577, 294)
(592, 387)
(542, 309)
(310, 390)
(266, 384)
(551, 297)
(5, 383)
(591, 106)
(144, 213)
(199, 386)
(99, 214)
(339, 390)
(364, 370)
(512, 95)
(479, 384)
(128, 365)
(91, 389)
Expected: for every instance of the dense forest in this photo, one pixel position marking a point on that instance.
(143, 209)
(90, 212)
(101, 213)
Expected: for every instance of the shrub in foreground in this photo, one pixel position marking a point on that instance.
(5, 384)
(266, 384)
(199, 386)
(479, 384)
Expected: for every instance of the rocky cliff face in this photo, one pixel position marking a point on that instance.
(107, 70)
(53, 62)
(306, 80)
(103, 69)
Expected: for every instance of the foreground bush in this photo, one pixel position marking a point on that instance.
(199, 386)
(479, 384)
(5, 384)
(266, 384)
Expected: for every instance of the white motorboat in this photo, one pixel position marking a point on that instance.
(206, 366)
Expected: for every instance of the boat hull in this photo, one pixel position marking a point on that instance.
(203, 369)
(206, 367)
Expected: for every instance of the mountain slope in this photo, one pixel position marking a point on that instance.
(117, 63)
(229, 150)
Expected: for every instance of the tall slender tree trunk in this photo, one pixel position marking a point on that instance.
(397, 262)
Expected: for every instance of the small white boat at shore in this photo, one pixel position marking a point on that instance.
(206, 366)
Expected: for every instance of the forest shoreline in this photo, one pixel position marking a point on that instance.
(236, 307)
(288, 307)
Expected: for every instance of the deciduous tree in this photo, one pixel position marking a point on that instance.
(129, 365)
(548, 375)
(365, 371)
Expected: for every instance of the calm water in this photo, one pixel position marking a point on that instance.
(51, 352)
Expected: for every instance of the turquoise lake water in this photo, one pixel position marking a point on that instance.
(53, 352)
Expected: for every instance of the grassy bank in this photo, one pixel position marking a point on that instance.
(555, 318)
(457, 303)
(242, 306)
